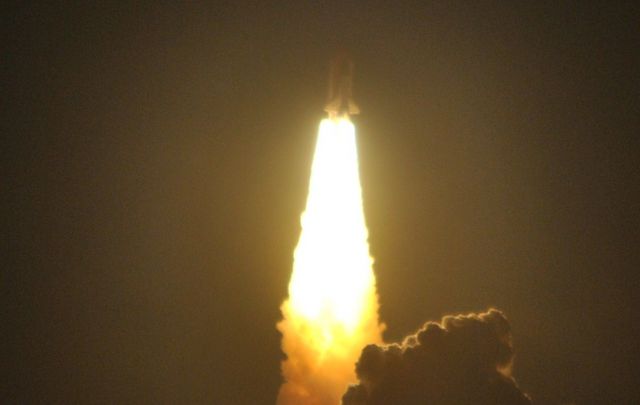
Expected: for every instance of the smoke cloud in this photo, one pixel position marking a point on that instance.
(464, 359)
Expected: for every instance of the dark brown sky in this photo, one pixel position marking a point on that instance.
(155, 163)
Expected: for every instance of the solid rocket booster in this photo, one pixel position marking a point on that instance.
(340, 99)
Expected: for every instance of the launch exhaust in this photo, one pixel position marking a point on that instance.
(332, 309)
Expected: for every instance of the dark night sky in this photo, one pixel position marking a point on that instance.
(155, 164)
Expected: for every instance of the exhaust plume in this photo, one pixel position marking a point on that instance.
(332, 309)
(464, 359)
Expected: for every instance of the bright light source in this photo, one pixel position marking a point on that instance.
(332, 310)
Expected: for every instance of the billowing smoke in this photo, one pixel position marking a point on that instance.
(464, 359)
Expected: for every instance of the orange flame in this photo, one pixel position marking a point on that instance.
(332, 309)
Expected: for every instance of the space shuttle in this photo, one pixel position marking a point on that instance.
(340, 97)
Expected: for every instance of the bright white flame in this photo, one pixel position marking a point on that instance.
(331, 313)
(332, 268)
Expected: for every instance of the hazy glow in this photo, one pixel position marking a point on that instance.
(331, 313)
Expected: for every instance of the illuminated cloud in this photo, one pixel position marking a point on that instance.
(464, 359)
